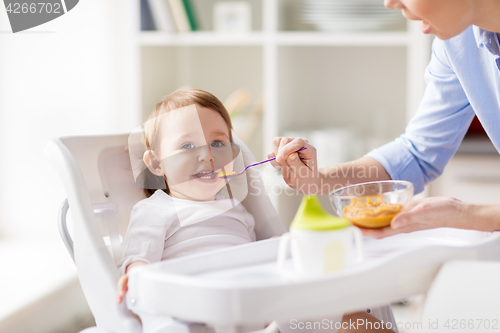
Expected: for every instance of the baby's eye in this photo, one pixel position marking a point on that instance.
(217, 144)
(187, 146)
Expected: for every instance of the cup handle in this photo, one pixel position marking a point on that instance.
(283, 250)
(358, 238)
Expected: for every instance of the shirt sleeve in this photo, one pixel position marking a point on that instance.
(145, 237)
(432, 137)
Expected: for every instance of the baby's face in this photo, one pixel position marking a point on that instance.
(195, 147)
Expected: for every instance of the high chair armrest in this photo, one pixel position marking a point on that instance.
(63, 228)
(106, 211)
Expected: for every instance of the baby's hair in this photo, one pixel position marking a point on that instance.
(180, 98)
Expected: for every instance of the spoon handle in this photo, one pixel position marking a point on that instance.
(251, 165)
(225, 175)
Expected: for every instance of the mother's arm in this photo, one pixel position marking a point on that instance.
(300, 170)
(441, 212)
(419, 155)
(432, 137)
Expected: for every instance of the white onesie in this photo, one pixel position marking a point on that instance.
(162, 227)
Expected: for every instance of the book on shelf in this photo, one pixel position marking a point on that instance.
(161, 16)
(168, 15)
(179, 14)
(147, 22)
(193, 22)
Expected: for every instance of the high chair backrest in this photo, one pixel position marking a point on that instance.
(82, 163)
(101, 192)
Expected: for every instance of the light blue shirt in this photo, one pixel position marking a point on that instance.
(463, 79)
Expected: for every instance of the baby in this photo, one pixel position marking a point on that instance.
(189, 141)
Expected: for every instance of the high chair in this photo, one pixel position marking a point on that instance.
(101, 192)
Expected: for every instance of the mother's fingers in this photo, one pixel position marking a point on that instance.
(409, 225)
(292, 146)
(401, 219)
(379, 233)
(279, 155)
(276, 145)
(413, 203)
(273, 162)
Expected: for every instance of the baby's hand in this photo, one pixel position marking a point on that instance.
(123, 281)
(122, 287)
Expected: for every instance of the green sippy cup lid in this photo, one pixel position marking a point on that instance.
(312, 216)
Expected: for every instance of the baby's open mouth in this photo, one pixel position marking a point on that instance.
(208, 174)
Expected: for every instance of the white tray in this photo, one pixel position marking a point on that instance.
(242, 284)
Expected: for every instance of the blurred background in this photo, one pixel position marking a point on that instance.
(346, 75)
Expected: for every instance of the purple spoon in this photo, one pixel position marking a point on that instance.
(228, 175)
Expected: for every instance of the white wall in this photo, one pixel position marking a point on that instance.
(71, 76)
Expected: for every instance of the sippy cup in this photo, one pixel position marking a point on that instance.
(320, 243)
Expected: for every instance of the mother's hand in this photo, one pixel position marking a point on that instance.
(299, 170)
(428, 213)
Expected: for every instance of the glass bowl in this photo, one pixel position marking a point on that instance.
(374, 204)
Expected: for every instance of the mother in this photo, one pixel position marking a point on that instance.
(463, 80)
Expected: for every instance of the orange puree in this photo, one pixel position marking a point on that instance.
(367, 213)
(225, 174)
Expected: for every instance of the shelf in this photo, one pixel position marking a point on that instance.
(292, 69)
(153, 38)
(399, 38)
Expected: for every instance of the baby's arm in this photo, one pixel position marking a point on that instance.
(144, 240)
(123, 281)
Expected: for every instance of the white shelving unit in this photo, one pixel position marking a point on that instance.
(308, 79)
(200, 38)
